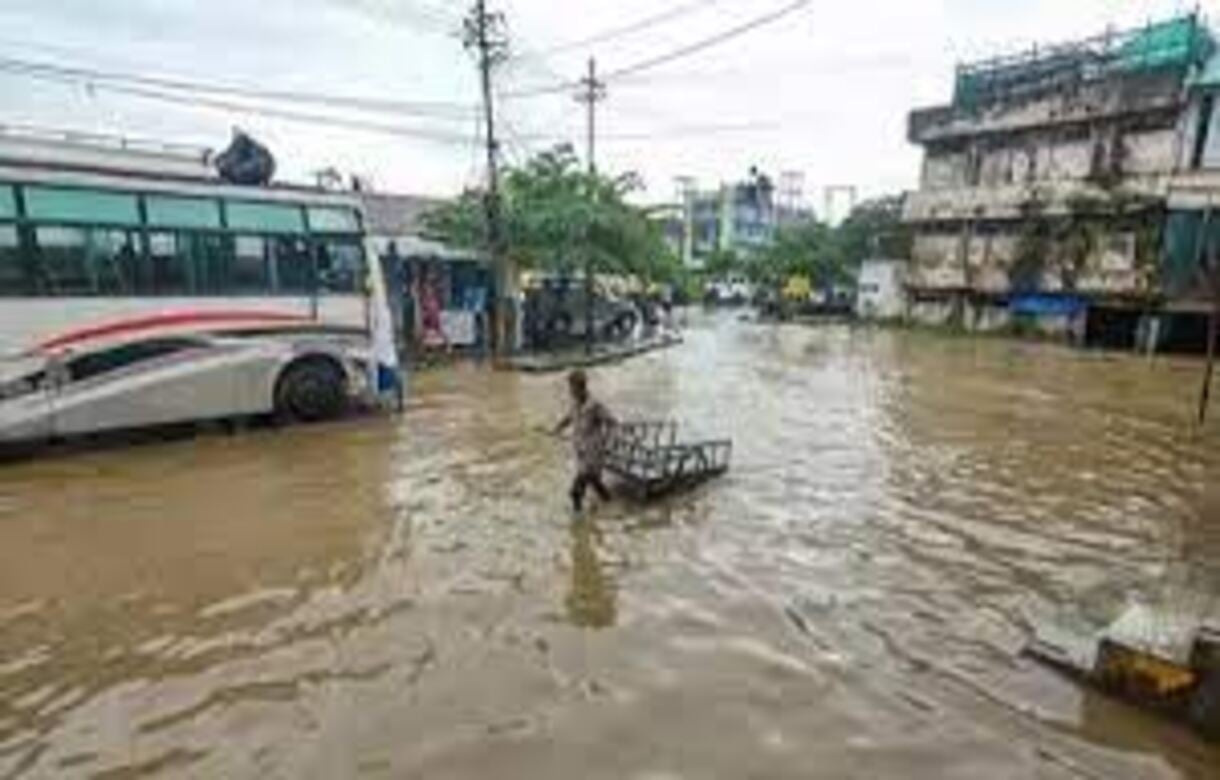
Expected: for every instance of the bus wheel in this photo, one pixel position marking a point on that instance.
(1205, 706)
(310, 390)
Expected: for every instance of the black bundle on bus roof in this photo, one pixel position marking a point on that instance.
(246, 162)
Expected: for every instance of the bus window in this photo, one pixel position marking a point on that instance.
(168, 271)
(8, 202)
(174, 211)
(14, 269)
(112, 258)
(81, 206)
(340, 266)
(211, 259)
(294, 272)
(333, 220)
(251, 270)
(108, 361)
(265, 217)
(64, 260)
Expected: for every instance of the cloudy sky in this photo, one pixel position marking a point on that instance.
(823, 92)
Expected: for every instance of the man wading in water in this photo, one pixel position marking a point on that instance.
(591, 423)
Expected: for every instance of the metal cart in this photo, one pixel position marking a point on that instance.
(648, 458)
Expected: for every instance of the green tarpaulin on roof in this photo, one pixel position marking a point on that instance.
(1209, 74)
(1178, 42)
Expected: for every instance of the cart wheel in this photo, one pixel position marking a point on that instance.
(1205, 706)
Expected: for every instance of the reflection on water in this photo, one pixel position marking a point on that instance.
(591, 599)
(413, 598)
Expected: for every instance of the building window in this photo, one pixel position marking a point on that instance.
(1202, 129)
(974, 167)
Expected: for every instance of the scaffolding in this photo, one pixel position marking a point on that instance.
(1176, 45)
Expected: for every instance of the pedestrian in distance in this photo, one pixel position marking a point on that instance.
(592, 424)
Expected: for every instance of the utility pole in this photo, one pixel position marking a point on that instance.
(484, 33)
(592, 92)
(1209, 273)
(686, 194)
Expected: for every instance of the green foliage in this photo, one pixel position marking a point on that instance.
(723, 263)
(832, 255)
(557, 216)
(1033, 247)
(806, 249)
(874, 229)
(1066, 242)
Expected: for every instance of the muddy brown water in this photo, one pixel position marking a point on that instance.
(411, 598)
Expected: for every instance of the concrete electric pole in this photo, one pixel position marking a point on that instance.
(484, 34)
(592, 92)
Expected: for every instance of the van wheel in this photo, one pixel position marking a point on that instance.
(310, 391)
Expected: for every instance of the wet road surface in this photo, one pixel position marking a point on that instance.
(413, 599)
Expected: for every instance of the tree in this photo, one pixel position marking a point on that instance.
(807, 249)
(557, 215)
(722, 263)
(828, 256)
(874, 229)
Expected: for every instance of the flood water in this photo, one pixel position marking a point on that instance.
(412, 597)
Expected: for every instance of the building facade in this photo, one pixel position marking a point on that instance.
(742, 217)
(423, 272)
(880, 289)
(1047, 184)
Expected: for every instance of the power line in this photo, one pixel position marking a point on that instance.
(707, 43)
(687, 131)
(433, 18)
(437, 136)
(432, 109)
(670, 56)
(632, 27)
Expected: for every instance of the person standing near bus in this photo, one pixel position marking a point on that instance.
(433, 331)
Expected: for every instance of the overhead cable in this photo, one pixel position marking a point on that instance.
(631, 28)
(436, 136)
(675, 54)
(432, 109)
(707, 43)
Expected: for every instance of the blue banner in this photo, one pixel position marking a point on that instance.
(1047, 304)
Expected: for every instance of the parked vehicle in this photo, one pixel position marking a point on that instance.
(556, 312)
(732, 291)
(129, 299)
(160, 378)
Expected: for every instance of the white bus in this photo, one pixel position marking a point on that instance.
(132, 300)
